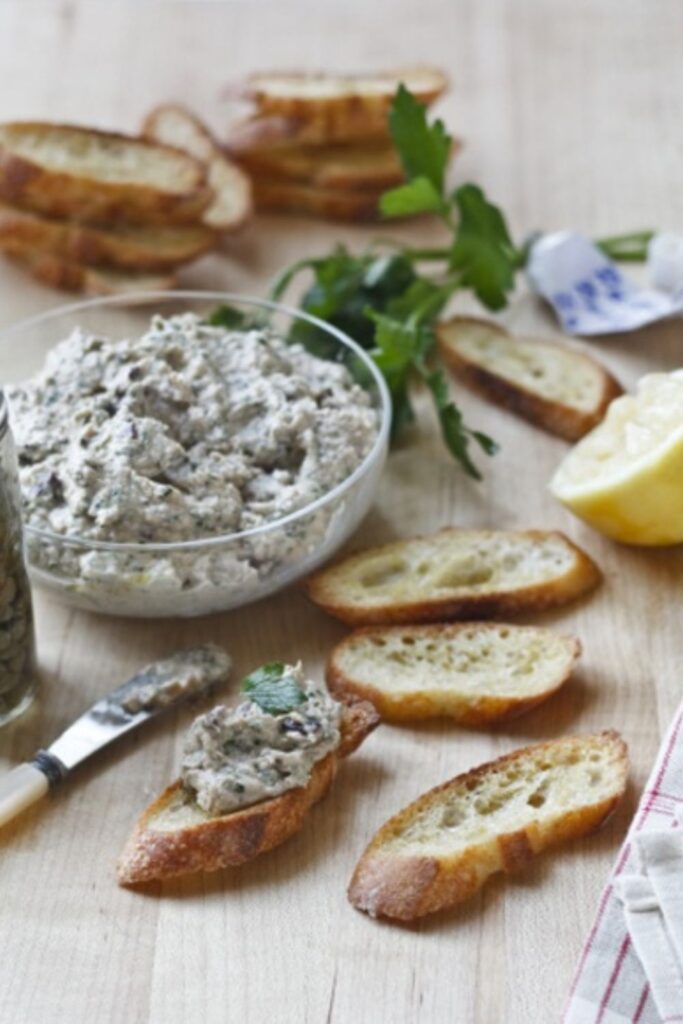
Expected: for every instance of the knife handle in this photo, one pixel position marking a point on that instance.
(19, 789)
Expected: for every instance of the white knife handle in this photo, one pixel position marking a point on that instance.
(19, 789)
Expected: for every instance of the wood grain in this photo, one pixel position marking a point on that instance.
(570, 113)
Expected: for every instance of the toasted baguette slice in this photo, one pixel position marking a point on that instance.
(273, 131)
(124, 247)
(475, 673)
(549, 384)
(317, 109)
(101, 177)
(330, 204)
(352, 166)
(455, 574)
(174, 836)
(441, 849)
(69, 276)
(173, 125)
(338, 97)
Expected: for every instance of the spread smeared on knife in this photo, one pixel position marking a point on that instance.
(236, 757)
(185, 674)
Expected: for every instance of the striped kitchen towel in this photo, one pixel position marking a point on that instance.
(610, 986)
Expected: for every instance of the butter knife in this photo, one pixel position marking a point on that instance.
(154, 689)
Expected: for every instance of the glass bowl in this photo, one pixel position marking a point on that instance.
(196, 575)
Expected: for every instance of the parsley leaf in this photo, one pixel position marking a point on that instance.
(345, 286)
(394, 353)
(226, 316)
(455, 432)
(424, 149)
(402, 348)
(482, 250)
(417, 196)
(273, 689)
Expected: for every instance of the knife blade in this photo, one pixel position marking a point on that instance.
(151, 691)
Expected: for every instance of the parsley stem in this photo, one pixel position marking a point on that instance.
(280, 283)
(629, 248)
(427, 254)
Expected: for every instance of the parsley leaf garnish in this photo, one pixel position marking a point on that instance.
(273, 689)
(387, 304)
(483, 251)
(424, 149)
(417, 196)
(456, 434)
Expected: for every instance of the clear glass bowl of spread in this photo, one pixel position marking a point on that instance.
(196, 569)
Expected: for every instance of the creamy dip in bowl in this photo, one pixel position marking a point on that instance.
(171, 466)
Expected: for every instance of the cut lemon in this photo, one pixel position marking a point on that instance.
(625, 477)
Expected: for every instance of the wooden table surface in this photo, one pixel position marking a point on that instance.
(570, 112)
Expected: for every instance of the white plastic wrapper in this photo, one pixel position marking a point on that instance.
(665, 262)
(591, 295)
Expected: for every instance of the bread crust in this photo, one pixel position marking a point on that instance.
(557, 418)
(238, 837)
(69, 276)
(471, 710)
(321, 168)
(390, 885)
(289, 197)
(57, 193)
(582, 577)
(349, 103)
(274, 130)
(96, 246)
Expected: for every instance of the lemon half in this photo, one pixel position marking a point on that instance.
(625, 477)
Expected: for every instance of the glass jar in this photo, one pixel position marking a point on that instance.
(17, 639)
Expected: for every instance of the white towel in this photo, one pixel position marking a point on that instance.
(652, 942)
(661, 855)
(611, 985)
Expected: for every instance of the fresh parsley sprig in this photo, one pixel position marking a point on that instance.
(387, 303)
(383, 300)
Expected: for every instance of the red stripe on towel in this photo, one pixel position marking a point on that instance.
(612, 980)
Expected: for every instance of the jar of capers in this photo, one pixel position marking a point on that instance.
(17, 641)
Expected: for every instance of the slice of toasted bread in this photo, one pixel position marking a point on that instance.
(69, 276)
(475, 673)
(98, 177)
(291, 197)
(173, 125)
(455, 574)
(552, 385)
(306, 95)
(124, 247)
(273, 131)
(174, 836)
(352, 166)
(441, 849)
(317, 109)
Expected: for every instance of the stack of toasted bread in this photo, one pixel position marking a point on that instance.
(319, 144)
(98, 212)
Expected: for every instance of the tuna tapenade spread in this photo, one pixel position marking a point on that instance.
(189, 432)
(236, 757)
